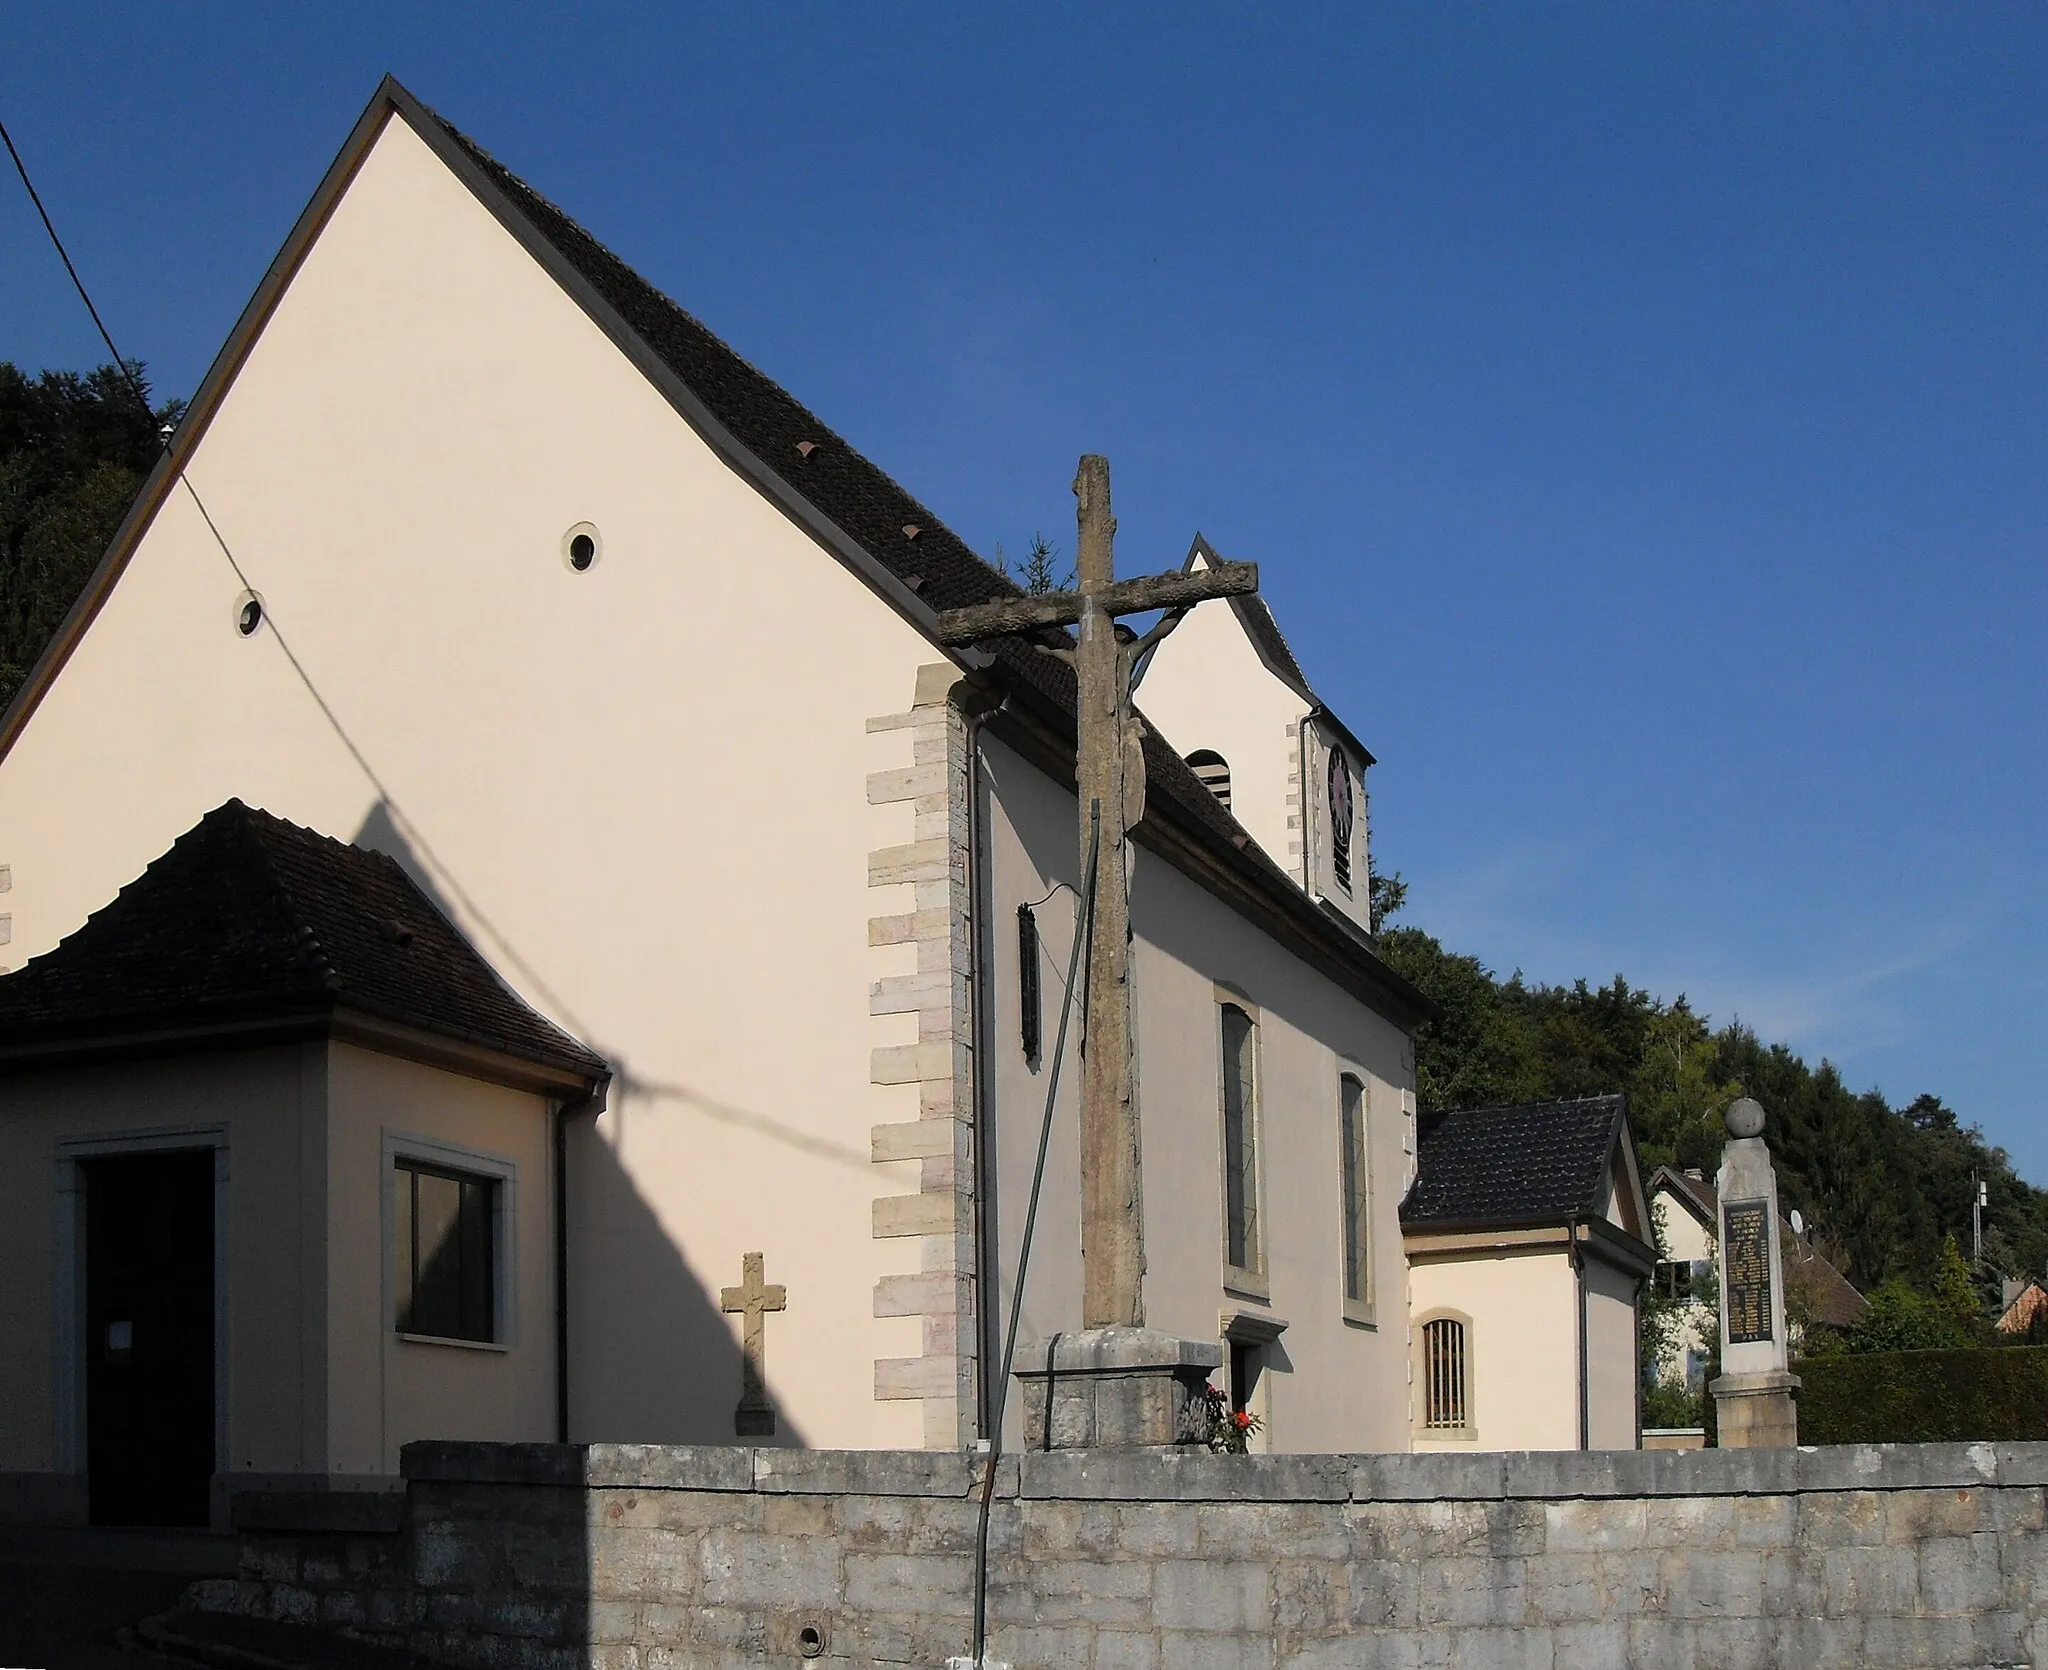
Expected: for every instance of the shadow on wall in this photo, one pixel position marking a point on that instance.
(652, 1355)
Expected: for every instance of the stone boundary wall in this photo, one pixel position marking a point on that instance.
(642, 1558)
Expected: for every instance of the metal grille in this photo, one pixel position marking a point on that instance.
(1214, 772)
(1443, 1373)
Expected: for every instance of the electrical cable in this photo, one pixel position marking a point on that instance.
(1084, 939)
(411, 831)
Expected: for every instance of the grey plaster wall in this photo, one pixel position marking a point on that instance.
(636, 1558)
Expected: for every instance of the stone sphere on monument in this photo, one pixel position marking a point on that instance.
(1745, 1117)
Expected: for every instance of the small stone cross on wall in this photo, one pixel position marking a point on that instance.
(753, 1299)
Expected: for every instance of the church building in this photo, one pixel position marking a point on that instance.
(529, 935)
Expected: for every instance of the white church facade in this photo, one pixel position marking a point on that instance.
(630, 666)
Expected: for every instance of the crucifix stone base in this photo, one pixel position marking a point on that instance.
(1756, 1411)
(1113, 1389)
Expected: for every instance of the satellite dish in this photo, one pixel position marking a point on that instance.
(1798, 1223)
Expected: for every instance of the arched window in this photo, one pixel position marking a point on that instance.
(1214, 770)
(1445, 1382)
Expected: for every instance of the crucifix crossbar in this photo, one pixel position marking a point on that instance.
(1109, 772)
(752, 1300)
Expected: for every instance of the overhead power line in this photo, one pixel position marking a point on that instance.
(410, 829)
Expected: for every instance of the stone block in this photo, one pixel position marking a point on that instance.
(1467, 1592)
(1082, 1592)
(1712, 1584)
(1591, 1646)
(669, 1467)
(1961, 1575)
(2021, 1464)
(1428, 1478)
(1868, 1580)
(1765, 1521)
(775, 1573)
(1568, 1588)
(1213, 1596)
(1910, 1515)
(925, 1586)
(1311, 1601)
(1126, 1650)
(1841, 1518)
(1690, 1521)
(1256, 1530)
(1532, 1648)
(954, 1474)
(1144, 1530)
(1386, 1594)
(1189, 1651)
(1593, 1527)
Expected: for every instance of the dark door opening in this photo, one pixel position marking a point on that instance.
(149, 1392)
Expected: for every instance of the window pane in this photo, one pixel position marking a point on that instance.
(475, 1322)
(406, 1248)
(1240, 1136)
(446, 1281)
(1357, 1221)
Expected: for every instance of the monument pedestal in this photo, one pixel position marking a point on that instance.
(1756, 1411)
(1113, 1388)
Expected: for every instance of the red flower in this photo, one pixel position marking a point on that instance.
(1243, 1418)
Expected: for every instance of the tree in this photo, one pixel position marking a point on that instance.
(74, 451)
(1039, 572)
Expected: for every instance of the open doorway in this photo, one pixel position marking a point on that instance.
(149, 1337)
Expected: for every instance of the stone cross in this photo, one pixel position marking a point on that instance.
(1109, 773)
(753, 1299)
(1753, 1398)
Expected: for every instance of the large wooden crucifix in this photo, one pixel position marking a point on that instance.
(1110, 775)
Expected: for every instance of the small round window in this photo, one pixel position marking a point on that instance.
(581, 547)
(248, 614)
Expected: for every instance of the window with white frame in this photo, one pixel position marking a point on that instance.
(1357, 1179)
(1446, 1388)
(1240, 1138)
(445, 1251)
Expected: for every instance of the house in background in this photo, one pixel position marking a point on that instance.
(279, 1186)
(1527, 1242)
(1688, 1212)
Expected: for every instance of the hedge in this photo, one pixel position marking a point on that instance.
(1924, 1397)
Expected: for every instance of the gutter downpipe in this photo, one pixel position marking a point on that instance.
(1579, 1273)
(592, 1101)
(1084, 933)
(980, 932)
(561, 1228)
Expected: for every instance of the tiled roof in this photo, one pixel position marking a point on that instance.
(1698, 1193)
(248, 918)
(1539, 1163)
(864, 503)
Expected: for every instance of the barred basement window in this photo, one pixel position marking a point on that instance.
(1443, 1375)
(1214, 771)
(446, 1235)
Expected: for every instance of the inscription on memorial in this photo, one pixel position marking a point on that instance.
(1746, 1270)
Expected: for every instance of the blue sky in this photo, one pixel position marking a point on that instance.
(1640, 412)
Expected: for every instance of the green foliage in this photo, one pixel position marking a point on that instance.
(1388, 895)
(1880, 1186)
(1920, 1397)
(73, 453)
(1668, 1403)
(1039, 572)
